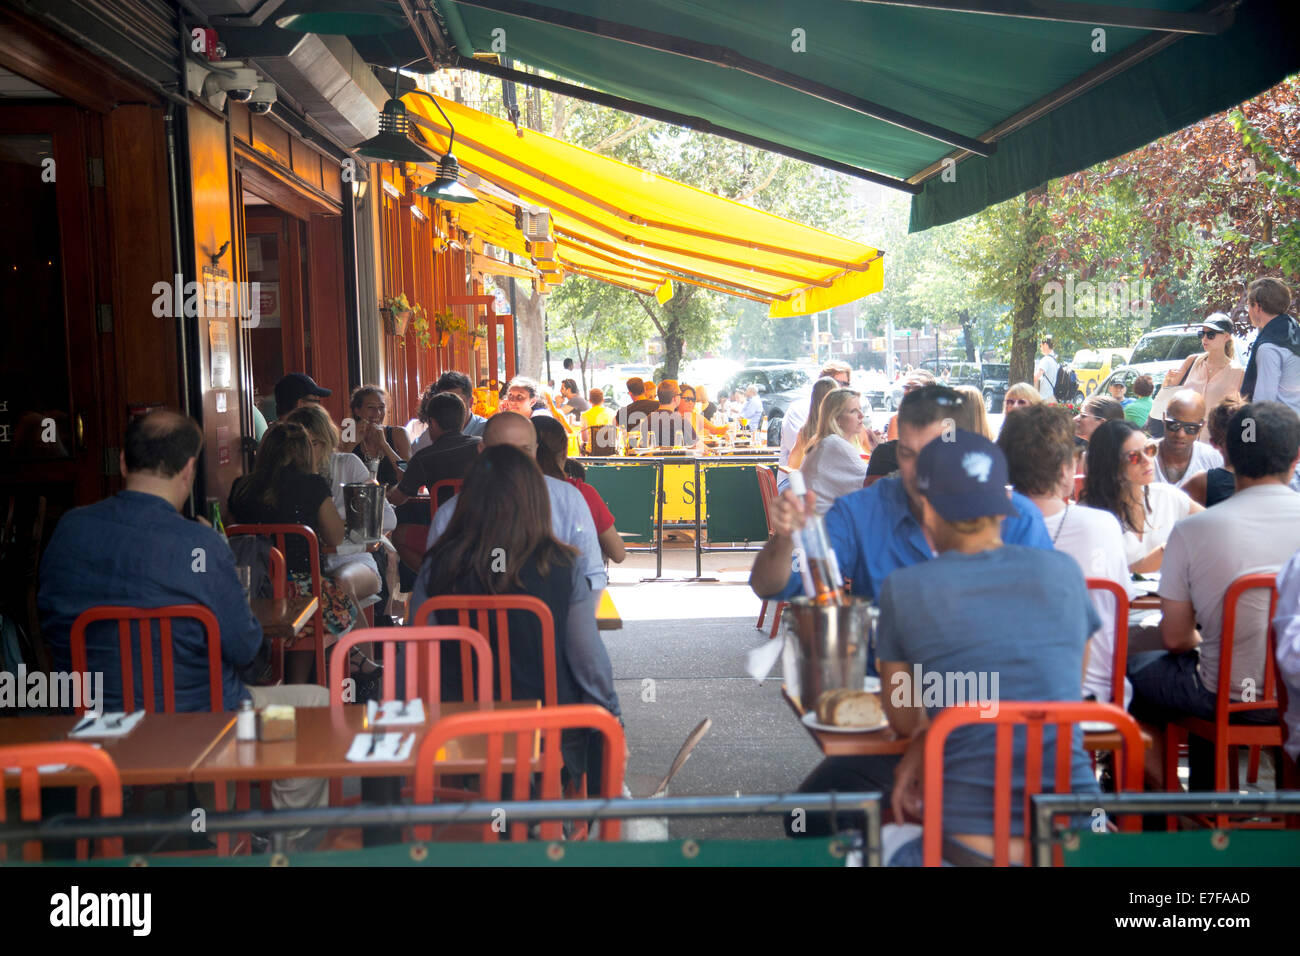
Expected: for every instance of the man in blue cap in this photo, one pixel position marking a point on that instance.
(982, 622)
(297, 389)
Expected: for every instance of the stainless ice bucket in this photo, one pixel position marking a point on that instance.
(364, 504)
(827, 646)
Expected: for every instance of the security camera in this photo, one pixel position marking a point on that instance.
(239, 84)
(263, 98)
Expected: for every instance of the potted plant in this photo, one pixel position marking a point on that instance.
(396, 313)
(420, 325)
(447, 322)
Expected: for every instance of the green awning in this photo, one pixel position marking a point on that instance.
(809, 74)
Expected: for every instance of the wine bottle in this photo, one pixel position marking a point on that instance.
(818, 566)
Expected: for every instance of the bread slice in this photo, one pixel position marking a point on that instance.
(849, 708)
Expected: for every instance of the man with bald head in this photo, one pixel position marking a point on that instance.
(1181, 455)
(571, 519)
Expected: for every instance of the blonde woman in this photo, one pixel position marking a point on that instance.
(1214, 371)
(833, 465)
(972, 416)
(1020, 395)
(821, 388)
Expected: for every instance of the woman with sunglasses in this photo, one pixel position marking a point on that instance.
(1020, 395)
(697, 423)
(1121, 480)
(1214, 372)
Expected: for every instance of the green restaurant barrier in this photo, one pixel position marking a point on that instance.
(1191, 848)
(631, 490)
(832, 852)
(733, 505)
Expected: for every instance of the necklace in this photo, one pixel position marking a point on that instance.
(1064, 514)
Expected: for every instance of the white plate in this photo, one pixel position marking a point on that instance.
(810, 720)
(1096, 727)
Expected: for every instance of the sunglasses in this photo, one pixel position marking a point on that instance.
(1207, 334)
(1099, 418)
(1187, 428)
(687, 398)
(1148, 451)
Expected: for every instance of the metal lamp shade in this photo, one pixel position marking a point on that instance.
(447, 187)
(391, 144)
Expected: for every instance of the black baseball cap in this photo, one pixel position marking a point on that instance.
(964, 476)
(1218, 322)
(293, 388)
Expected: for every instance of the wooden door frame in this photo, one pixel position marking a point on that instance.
(65, 124)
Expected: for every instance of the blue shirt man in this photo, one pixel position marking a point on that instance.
(752, 413)
(877, 530)
(135, 549)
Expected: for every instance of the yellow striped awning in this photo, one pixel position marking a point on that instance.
(623, 225)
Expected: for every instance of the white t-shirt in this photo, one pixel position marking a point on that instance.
(1257, 529)
(1287, 623)
(833, 468)
(1094, 539)
(1204, 457)
(1169, 505)
(1047, 384)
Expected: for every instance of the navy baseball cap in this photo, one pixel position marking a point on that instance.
(965, 477)
(292, 388)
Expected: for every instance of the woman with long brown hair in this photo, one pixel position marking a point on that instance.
(500, 541)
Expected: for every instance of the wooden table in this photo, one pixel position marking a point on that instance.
(607, 616)
(162, 749)
(319, 749)
(283, 619)
(867, 744)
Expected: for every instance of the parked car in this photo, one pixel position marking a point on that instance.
(779, 385)
(989, 378)
(994, 385)
(1092, 366)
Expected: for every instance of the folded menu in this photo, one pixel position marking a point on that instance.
(390, 713)
(116, 724)
(388, 748)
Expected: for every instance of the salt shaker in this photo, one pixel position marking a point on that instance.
(246, 722)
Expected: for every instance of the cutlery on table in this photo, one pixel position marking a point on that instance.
(84, 723)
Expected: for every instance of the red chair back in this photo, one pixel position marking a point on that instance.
(146, 616)
(278, 570)
(29, 758)
(447, 484)
(767, 492)
(1266, 696)
(423, 661)
(474, 611)
(1034, 715)
(524, 726)
(1119, 658)
(278, 533)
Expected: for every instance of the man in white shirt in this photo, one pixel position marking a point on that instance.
(1287, 624)
(1180, 455)
(1256, 530)
(1045, 371)
(1039, 444)
(796, 416)
(752, 413)
(570, 517)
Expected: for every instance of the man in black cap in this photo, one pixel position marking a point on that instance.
(297, 389)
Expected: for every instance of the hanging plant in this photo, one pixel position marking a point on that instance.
(420, 325)
(396, 313)
(447, 322)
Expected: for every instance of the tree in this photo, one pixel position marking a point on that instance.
(688, 316)
(600, 317)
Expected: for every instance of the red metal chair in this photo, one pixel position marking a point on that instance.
(423, 664)
(315, 631)
(1033, 715)
(474, 612)
(164, 616)
(767, 491)
(1113, 740)
(423, 677)
(524, 726)
(1221, 732)
(452, 484)
(29, 758)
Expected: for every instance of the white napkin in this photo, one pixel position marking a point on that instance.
(394, 746)
(388, 715)
(115, 724)
(760, 661)
(349, 547)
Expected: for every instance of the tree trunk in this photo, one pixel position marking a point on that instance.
(1025, 308)
(968, 333)
(529, 331)
(673, 343)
